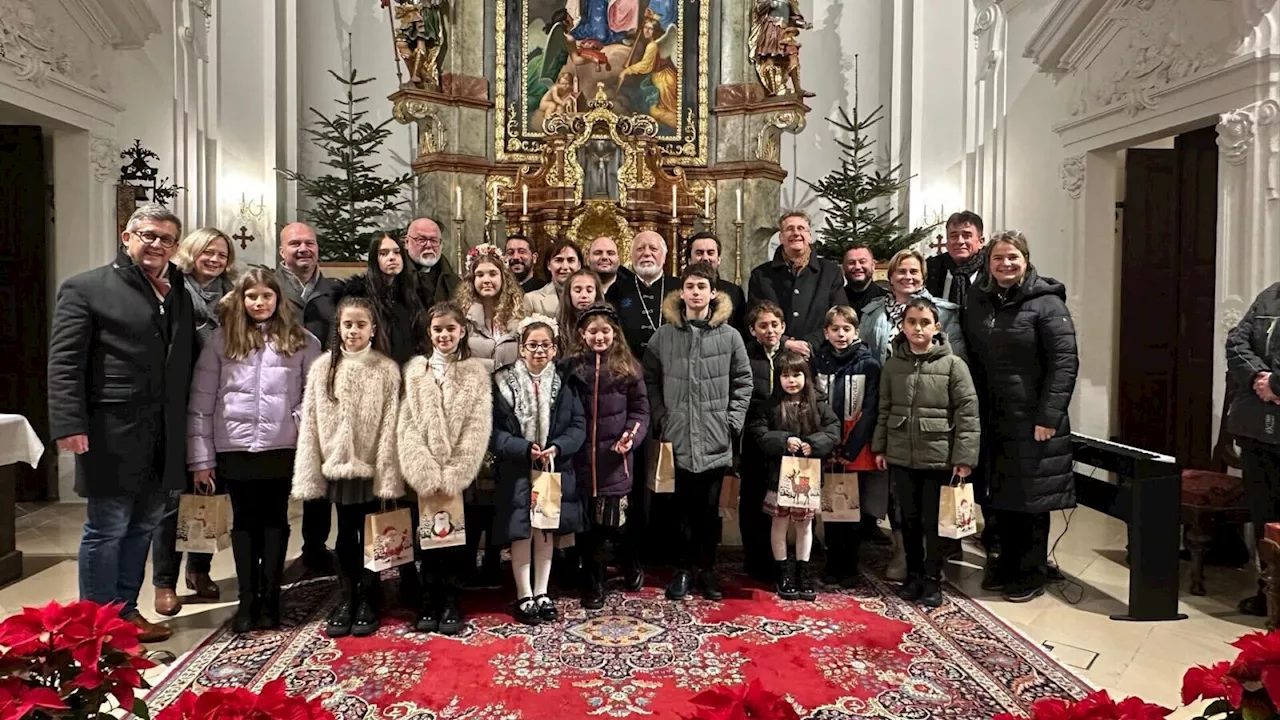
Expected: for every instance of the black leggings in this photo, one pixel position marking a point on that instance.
(350, 544)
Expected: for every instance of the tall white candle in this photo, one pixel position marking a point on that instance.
(458, 195)
(739, 204)
(706, 201)
(524, 199)
(673, 203)
(495, 200)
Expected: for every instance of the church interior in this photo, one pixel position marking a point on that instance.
(1134, 143)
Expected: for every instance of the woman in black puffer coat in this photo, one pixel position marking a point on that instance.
(1022, 353)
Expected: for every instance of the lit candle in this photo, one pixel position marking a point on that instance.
(495, 200)
(458, 195)
(524, 199)
(706, 201)
(673, 203)
(739, 204)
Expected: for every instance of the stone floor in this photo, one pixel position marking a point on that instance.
(1146, 659)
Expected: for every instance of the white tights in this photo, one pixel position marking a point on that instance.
(543, 547)
(804, 539)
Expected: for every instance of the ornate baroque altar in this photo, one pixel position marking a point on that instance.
(640, 115)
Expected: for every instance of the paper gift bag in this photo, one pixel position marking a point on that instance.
(729, 493)
(662, 467)
(956, 516)
(544, 499)
(840, 500)
(800, 483)
(388, 539)
(204, 523)
(442, 523)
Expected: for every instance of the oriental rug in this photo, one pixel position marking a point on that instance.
(858, 653)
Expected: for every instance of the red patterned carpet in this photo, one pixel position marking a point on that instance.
(859, 653)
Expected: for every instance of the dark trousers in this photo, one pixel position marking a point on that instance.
(697, 513)
(1261, 483)
(917, 492)
(166, 561)
(753, 524)
(841, 539)
(480, 523)
(1024, 550)
(350, 544)
(635, 534)
(593, 546)
(317, 521)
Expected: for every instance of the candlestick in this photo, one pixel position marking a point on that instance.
(737, 242)
(675, 240)
(457, 191)
(739, 218)
(674, 215)
(495, 201)
(706, 201)
(459, 227)
(524, 200)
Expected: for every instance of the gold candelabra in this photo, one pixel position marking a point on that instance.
(737, 249)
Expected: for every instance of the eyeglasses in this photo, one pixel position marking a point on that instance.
(150, 238)
(424, 240)
(536, 347)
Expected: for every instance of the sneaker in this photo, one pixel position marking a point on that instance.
(678, 589)
(912, 590)
(527, 611)
(1023, 595)
(546, 609)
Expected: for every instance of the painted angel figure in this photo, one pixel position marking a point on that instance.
(655, 48)
(562, 97)
(775, 49)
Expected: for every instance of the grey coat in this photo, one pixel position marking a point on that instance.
(876, 330)
(699, 383)
(1253, 347)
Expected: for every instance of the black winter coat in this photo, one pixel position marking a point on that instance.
(738, 319)
(766, 431)
(317, 312)
(120, 364)
(804, 298)
(512, 464)
(1253, 347)
(836, 374)
(1023, 360)
(613, 406)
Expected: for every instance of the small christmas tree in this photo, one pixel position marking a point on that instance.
(349, 204)
(853, 216)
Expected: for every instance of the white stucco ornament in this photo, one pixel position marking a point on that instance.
(1238, 128)
(1072, 174)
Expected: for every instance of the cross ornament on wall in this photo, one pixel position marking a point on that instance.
(245, 237)
(939, 244)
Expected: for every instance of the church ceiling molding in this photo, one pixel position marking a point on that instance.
(120, 24)
(55, 60)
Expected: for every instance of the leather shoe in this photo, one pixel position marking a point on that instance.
(679, 587)
(365, 622)
(151, 632)
(546, 608)
(593, 597)
(634, 579)
(709, 586)
(203, 586)
(167, 602)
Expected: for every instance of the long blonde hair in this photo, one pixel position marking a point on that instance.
(240, 332)
(510, 305)
(193, 245)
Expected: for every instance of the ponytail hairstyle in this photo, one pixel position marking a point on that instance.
(241, 335)
(378, 341)
(799, 412)
(450, 310)
(618, 358)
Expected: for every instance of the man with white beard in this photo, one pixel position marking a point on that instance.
(639, 297)
(436, 277)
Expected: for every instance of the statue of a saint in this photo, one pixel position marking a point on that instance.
(421, 40)
(775, 49)
(600, 158)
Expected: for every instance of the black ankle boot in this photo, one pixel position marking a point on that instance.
(931, 593)
(275, 545)
(339, 622)
(786, 586)
(593, 593)
(365, 621)
(805, 585)
(678, 589)
(710, 586)
(451, 621)
(247, 575)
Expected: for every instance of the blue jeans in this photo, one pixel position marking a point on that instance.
(113, 550)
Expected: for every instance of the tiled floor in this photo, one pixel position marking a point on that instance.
(1145, 659)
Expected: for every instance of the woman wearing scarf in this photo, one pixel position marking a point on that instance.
(206, 258)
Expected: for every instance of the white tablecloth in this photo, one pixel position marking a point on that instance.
(18, 442)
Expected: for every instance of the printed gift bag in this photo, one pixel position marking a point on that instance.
(840, 501)
(544, 499)
(204, 523)
(956, 516)
(662, 467)
(388, 539)
(800, 483)
(442, 523)
(729, 493)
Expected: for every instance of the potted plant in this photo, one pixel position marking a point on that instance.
(240, 704)
(743, 702)
(1247, 687)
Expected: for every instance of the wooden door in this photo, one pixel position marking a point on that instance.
(24, 297)
(1168, 273)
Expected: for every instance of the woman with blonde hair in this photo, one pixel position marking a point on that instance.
(206, 258)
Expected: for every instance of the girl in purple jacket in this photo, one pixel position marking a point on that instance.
(611, 385)
(242, 426)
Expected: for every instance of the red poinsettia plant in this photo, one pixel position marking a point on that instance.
(272, 703)
(79, 660)
(1247, 687)
(744, 702)
(1095, 706)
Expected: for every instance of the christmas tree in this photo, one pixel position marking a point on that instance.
(853, 215)
(349, 204)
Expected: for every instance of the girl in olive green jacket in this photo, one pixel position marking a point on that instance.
(927, 433)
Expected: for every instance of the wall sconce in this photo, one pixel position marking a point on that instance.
(251, 211)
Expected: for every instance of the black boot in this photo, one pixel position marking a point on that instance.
(786, 586)
(248, 578)
(339, 622)
(931, 593)
(991, 578)
(709, 586)
(451, 621)
(678, 589)
(806, 588)
(428, 620)
(365, 621)
(633, 576)
(275, 545)
(913, 589)
(593, 593)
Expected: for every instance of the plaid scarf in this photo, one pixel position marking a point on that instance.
(961, 274)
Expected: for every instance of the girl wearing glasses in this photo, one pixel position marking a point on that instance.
(538, 425)
(442, 437)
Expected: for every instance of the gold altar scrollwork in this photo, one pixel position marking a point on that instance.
(768, 140)
(566, 134)
(601, 217)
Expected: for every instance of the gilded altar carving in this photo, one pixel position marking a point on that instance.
(601, 217)
(769, 138)
(567, 135)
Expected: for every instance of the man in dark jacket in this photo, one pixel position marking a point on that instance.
(315, 298)
(521, 260)
(437, 279)
(120, 360)
(1253, 360)
(950, 275)
(859, 275)
(705, 247)
(638, 298)
(804, 285)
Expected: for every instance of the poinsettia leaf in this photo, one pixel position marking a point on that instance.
(1218, 707)
(140, 709)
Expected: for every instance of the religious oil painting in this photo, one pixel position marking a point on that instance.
(647, 57)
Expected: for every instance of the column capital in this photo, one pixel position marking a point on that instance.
(1237, 129)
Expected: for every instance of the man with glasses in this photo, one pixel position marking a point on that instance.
(120, 359)
(436, 277)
